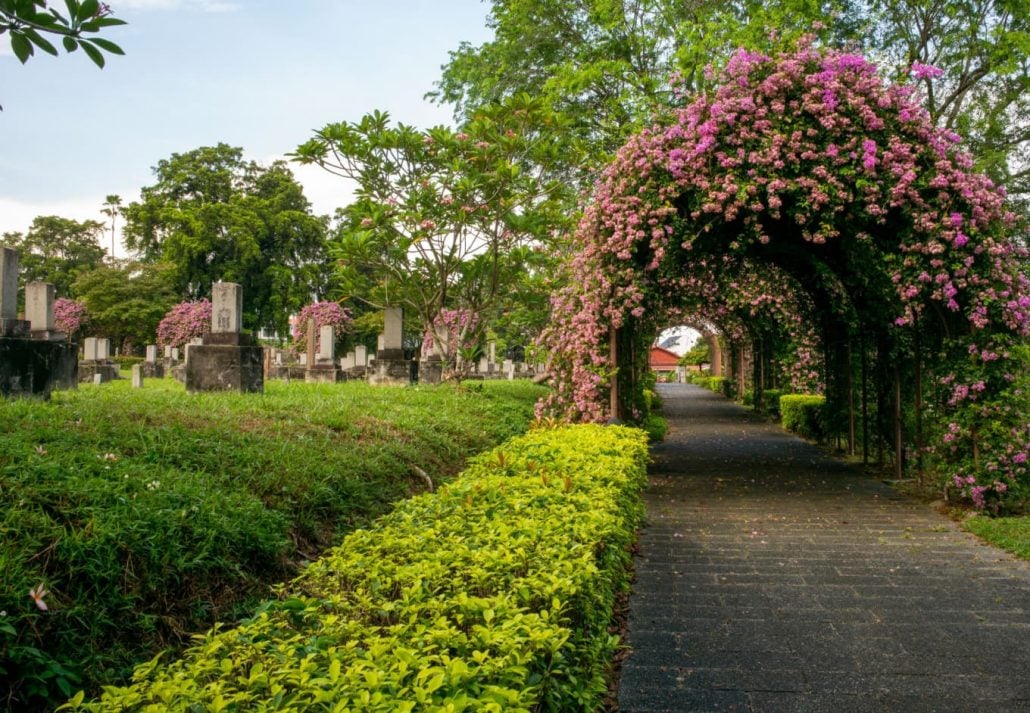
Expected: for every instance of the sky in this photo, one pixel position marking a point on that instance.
(256, 74)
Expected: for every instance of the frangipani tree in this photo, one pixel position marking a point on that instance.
(808, 162)
(443, 220)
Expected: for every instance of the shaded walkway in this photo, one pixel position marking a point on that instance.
(773, 578)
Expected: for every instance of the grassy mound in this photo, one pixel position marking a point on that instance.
(148, 514)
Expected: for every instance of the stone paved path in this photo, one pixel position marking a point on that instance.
(773, 578)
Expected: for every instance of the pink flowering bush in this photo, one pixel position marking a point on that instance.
(324, 314)
(810, 163)
(69, 315)
(183, 322)
(453, 332)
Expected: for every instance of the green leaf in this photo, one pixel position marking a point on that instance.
(107, 45)
(39, 41)
(21, 47)
(88, 9)
(93, 53)
(70, 44)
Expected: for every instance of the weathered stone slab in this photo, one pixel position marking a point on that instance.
(216, 367)
(226, 308)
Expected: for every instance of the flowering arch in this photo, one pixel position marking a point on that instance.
(804, 199)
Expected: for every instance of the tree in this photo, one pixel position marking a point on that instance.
(443, 219)
(112, 209)
(57, 250)
(125, 301)
(697, 355)
(971, 59)
(27, 21)
(609, 67)
(213, 216)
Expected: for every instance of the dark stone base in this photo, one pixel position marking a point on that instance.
(324, 374)
(32, 368)
(88, 370)
(395, 372)
(18, 328)
(153, 370)
(430, 372)
(213, 367)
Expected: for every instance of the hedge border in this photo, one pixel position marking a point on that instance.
(493, 594)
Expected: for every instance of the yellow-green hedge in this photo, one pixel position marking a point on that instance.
(493, 594)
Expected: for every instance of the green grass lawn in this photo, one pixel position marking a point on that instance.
(149, 514)
(1009, 533)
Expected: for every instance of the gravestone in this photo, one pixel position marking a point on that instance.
(509, 369)
(390, 365)
(96, 362)
(152, 368)
(324, 369)
(137, 376)
(33, 362)
(484, 365)
(39, 309)
(226, 359)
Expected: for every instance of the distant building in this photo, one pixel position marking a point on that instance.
(663, 361)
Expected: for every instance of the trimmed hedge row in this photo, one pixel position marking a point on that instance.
(802, 414)
(493, 594)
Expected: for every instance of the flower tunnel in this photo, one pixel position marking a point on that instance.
(838, 242)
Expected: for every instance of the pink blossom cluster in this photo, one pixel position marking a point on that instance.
(68, 315)
(324, 313)
(452, 330)
(183, 322)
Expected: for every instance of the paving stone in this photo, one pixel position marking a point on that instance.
(773, 578)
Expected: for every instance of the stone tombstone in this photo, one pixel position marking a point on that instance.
(8, 283)
(493, 352)
(327, 343)
(175, 354)
(226, 308)
(509, 368)
(137, 376)
(380, 343)
(98, 379)
(39, 306)
(168, 352)
(277, 357)
(484, 365)
(103, 349)
(393, 332)
(361, 355)
(349, 361)
(151, 354)
(90, 350)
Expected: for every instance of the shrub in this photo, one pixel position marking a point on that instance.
(493, 594)
(656, 427)
(324, 314)
(183, 322)
(69, 315)
(802, 414)
(771, 402)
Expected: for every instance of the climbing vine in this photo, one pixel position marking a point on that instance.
(807, 197)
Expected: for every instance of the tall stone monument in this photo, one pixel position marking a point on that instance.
(390, 365)
(226, 359)
(34, 358)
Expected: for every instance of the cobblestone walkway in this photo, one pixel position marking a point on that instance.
(773, 578)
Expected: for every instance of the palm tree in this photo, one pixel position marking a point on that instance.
(112, 206)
